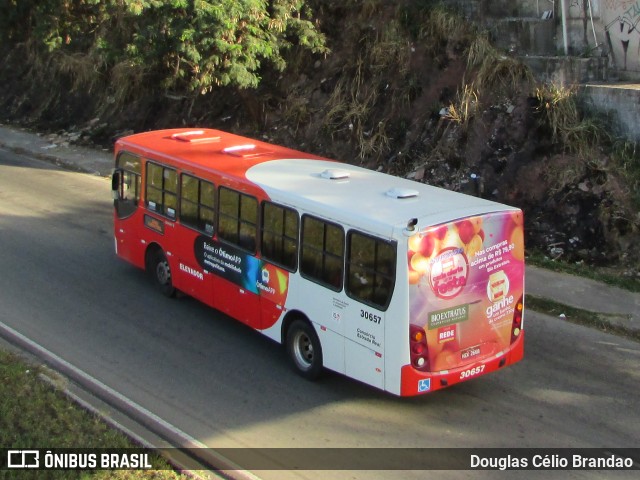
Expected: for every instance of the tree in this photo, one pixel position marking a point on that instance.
(192, 45)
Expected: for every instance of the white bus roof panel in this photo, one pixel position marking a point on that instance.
(377, 200)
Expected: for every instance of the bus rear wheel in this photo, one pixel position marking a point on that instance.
(160, 271)
(304, 350)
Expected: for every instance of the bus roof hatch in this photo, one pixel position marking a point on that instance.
(195, 136)
(400, 193)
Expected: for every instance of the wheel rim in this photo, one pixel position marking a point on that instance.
(163, 274)
(303, 350)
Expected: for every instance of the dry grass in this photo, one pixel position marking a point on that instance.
(442, 26)
(561, 113)
(490, 74)
(127, 81)
(82, 69)
(384, 55)
(465, 108)
(626, 161)
(391, 47)
(496, 72)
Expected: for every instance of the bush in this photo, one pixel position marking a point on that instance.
(184, 45)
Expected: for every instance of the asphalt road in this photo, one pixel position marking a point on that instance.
(227, 386)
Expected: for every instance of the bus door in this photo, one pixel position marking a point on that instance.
(369, 285)
(126, 188)
(320, 292)
(364, 342)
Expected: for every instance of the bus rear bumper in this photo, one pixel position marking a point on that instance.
(415, 382)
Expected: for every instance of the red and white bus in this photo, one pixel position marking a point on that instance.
(403, 286)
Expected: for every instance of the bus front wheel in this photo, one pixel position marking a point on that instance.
(304, 350)
(160, 271)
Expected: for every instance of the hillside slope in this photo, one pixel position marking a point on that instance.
(410, 91)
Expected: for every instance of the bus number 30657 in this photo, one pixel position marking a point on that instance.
(471, 372)
(370, 316)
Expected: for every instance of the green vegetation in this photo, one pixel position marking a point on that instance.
(625, 158)
(35, 415)
(182, 46)
(401, 87)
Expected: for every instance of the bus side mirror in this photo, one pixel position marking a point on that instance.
(115, 184)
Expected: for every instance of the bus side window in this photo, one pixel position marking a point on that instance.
(370, 269)
(322, 252)
(279, 236)
(197, 204)
(238, 219)
(162, 190)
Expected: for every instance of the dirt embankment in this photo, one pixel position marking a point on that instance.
(391, 96)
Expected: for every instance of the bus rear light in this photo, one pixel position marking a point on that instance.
(418, 347)
(516, 326)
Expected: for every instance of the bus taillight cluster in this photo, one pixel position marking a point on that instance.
(418, 345)
(516, 327)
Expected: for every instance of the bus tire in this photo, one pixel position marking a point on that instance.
(304, 350)
(160, 271)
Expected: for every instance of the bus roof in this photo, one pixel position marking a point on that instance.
(344, 192)
(352, 194)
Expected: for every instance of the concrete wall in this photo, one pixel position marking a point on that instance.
(562, 70)
(585, 28)
(585, 32)
(621, 101)
(601, 39)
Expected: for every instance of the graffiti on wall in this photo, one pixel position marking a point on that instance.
(621, 20)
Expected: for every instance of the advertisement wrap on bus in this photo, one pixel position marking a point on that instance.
(400, 285)
(246, 271)
(466, 293)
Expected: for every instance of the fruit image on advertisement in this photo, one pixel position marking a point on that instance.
(422, 248)
(477, 264)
